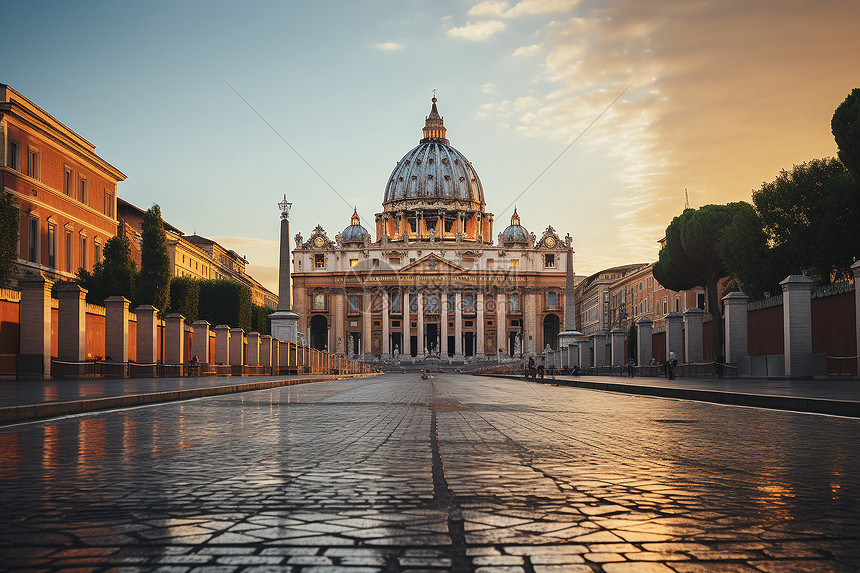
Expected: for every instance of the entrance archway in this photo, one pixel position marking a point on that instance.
(550, 331)
(319, 332)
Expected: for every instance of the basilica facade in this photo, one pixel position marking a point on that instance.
(432, 281)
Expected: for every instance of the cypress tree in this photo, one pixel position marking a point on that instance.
(154, 280)
(9, 222)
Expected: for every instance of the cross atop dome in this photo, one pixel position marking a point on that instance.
(434, 128)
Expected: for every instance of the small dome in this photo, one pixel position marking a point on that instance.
(515, 233)
(355, 233)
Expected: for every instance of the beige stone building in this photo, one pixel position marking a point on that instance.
(433, 281)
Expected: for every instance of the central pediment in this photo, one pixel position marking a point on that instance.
(431, 264)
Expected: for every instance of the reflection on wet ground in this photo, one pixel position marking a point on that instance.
(457, 473)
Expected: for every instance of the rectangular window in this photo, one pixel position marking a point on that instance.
(413, 302)
(452, 303)
(394, 261)
(83, 252)
(69, 252)
(700, 300)
(354, 303)
(319, 261)
(83, 196)
(515, 302)
(490, 263)
(469, 302)
(108, 204)
(97, 255)
(432, 303)
(551, 299)
(68, 177)
(14, 158)
(515, 263)
(52, 246)
(549, 261)
(396, 302)
(319, 301)
(353, 262)
(33, 241)
(33, 167)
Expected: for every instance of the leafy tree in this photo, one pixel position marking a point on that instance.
(691, 256)
(260, 321)
(116, 275)
(811, 217)
(9, 222)
(225, 302)
(845, 126)
(744, 252)
(630, 339)
(185, 297)
(154, 281)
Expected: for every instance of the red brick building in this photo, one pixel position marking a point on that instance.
(66, 193)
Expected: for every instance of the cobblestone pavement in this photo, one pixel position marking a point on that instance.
(395, 473)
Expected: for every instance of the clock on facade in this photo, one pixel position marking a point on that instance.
(549, 242)
(319, 241)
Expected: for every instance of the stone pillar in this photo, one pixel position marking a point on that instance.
(406, 314)
(237, 347)
(200, 342)
(675, 335)
(694, 345)
(530, 316)
(616, 336)
(147, 334)
(222, 345)
(479, 327)
(573, 354)
(458, 325)
(71, 322)
(855, 268)
(116, 329)
(174, 333)
(797, 325)
(585, 353)
(266, 350)
(252, 353)
(34, 360)
(443, 325)
(501, 323)
(386, 338)
(735, 312)
(338, 333)
(285, 354)
(643, 340)
(420, 298)
(599, 342)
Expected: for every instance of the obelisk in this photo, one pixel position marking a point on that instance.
(284, 322)
(569, 334)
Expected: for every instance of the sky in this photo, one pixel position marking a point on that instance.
(590, 116)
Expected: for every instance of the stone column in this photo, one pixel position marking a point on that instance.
(797, 325)
(366, 346)
(406, 322)
(616, 336)
(585, 353)
(735, 312)
(266, 350)
(174, 345)
(116, 329)
(479, 327)
(222, 344)
(501, 323)
(675, 335)
(34, 360)
(71, 322)
(340, 340)
(237, 347)
(530, 316)
(200, 342)
(599, 342)
(694, 346)
(421, 350)
(252, 354)
(458, 325)
(147, 334)
(855, 268)
(386, 338)
(643, 340)
(443, 324)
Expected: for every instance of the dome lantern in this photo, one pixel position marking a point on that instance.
(434, 127)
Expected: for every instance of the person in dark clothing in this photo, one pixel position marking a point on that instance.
(630, 364)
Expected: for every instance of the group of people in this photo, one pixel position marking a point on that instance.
(668, 367)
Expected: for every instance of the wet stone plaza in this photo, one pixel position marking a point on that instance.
(462, 473)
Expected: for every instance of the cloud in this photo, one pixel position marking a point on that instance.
(724, 95)
(488, 88)
(478, 31)
(527, 50)
(488, 8)
(389, 46)
(492, 9)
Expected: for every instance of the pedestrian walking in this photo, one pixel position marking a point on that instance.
(630, 364)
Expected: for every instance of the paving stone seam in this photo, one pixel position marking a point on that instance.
(12, 414)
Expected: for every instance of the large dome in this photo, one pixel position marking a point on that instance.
(434, 169)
